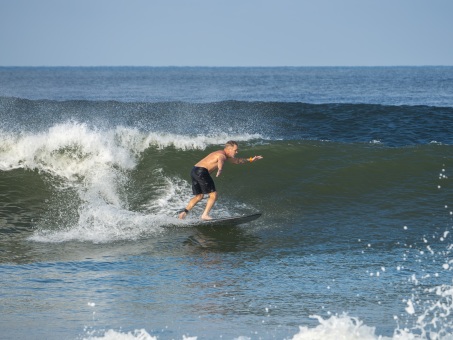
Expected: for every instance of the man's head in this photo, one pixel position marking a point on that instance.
(231, 148)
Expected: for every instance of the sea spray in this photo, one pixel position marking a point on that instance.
(430, 307)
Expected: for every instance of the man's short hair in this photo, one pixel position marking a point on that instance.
(231, 143)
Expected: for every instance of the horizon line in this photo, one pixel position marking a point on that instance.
(216, 66)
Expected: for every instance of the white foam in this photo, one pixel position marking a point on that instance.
(105, 224)
(433, 317)
(410, 307)
(337, 327)
(111, 334)
(69, 151)
(138, 334)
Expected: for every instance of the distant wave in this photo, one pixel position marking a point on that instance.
(348, 123)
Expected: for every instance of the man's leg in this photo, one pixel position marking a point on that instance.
(209, 205)
(191, 204)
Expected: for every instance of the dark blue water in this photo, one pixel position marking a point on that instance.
(430, 86)
(354, 241)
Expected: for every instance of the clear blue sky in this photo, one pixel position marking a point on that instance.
(226, 32)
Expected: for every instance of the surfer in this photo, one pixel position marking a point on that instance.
(202, 182)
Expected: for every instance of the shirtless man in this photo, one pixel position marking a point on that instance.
(202, 182)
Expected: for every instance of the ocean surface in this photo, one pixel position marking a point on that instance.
(356, 236)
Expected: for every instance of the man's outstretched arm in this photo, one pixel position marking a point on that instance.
(244, 160)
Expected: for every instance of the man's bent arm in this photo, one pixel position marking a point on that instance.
(220, 162)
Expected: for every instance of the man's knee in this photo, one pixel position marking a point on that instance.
(213, 195)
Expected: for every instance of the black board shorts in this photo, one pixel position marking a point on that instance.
(202, 182)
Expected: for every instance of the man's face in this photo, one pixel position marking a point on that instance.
(231, 151)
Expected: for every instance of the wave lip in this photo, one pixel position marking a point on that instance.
(73, 150)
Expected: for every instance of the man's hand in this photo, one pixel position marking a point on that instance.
(255, 158)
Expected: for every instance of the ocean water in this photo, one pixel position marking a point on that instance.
(355, 240)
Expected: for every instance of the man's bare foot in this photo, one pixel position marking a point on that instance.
(182, 215)
(206, 218)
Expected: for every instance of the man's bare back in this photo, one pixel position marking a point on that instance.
(213, 161)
